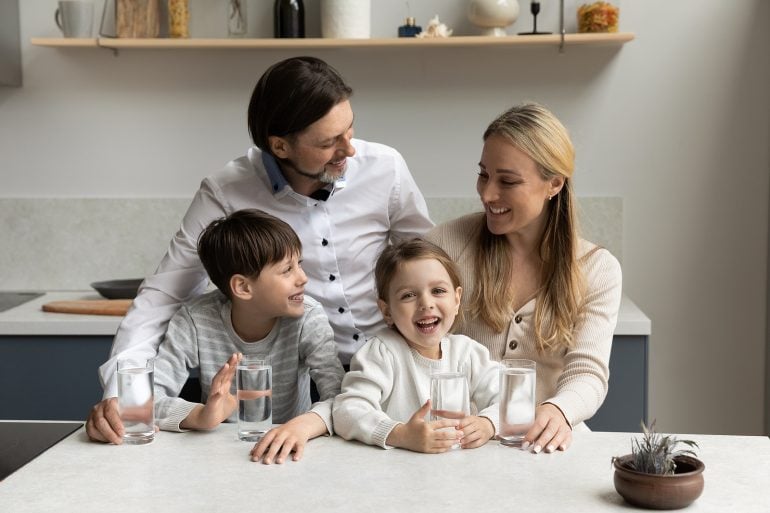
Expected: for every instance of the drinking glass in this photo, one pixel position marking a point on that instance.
(517, 400)
(449, 397)
(136, 399)
(255, 398)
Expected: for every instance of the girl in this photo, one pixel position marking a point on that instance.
(537, 291)
(383, 400)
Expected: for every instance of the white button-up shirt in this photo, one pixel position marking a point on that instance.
(342, 237)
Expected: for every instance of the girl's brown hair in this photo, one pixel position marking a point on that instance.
(397, 254)
(534, 130)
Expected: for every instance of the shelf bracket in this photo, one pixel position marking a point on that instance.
(100, 45)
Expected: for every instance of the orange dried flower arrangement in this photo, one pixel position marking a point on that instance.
(598, 17)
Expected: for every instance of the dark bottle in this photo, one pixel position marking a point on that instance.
(411, 29)
(289, 18)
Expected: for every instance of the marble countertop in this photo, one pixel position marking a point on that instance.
(211, 471)
(30, 319)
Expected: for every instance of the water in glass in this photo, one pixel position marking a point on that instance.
(255, 400)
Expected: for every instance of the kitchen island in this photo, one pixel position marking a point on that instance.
(57, 356)
(211, 471)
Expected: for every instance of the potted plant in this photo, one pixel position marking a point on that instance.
(659, 473)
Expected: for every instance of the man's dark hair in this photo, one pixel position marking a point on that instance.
(292, 95)
(244, 243)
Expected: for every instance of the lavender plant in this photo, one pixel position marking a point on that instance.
(655, 453)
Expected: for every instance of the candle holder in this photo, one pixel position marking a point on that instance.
(534, 8)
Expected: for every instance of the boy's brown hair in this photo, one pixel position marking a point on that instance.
(244, 243)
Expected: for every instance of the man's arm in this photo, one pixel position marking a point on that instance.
(179, 277)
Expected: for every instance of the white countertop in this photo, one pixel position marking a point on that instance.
(30, 319)
(210, 471)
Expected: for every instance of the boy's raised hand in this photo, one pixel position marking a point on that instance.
(221, 402)
(421, 436)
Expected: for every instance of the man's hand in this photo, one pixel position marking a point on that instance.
(104, 424)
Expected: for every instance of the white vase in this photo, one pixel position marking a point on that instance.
(493, 15)
(346, 19)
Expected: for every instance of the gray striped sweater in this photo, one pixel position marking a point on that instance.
(201, 335)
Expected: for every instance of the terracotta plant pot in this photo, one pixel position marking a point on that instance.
(660, 491)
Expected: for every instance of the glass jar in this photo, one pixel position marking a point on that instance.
(237, 26)
(137, 18)
(598, 17)
(179, 18)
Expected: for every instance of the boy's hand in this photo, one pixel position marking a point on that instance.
(281, 441)
(420, 436)
(221, 402)
(478, 431)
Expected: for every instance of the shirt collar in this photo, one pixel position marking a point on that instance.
(278, 182)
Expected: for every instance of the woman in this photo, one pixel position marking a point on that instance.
(535, 289)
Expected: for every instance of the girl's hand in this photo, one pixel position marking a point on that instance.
(221, 402)
(477, 430)
(550, 431)
(420, 436)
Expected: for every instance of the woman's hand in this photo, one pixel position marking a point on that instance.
(221, 403)
(477, 431)
(550, 431)
(420, 436)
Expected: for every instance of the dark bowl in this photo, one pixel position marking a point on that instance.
(652, 491)
(118, 289)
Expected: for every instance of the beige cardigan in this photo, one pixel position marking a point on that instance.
(574, 380)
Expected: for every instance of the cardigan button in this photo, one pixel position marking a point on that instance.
(517, 319)
(513, 345)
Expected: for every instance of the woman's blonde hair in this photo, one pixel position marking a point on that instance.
(534, 130)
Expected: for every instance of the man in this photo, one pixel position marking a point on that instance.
(346, 199)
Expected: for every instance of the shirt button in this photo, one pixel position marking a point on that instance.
(355, 337)
(517, 319)
(324, 242)
(332, 277)
(341, 310)
(513, 345)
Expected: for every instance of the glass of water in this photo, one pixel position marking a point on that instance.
(255, 398)
(517, 400)
(136, 400)
(449, 396)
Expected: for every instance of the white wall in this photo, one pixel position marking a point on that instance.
(676, 122)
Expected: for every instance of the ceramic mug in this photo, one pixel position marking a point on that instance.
(75, 18)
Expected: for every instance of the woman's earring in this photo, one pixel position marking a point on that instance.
(550, 197)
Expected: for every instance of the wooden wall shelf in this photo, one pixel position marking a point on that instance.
(617, 38)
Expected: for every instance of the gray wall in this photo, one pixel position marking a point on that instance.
(675, 123)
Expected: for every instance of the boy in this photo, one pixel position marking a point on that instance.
(260, 309)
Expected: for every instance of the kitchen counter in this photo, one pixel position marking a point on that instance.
(30, 319)
(210, 471)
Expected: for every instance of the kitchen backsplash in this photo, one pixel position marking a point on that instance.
(67, 243)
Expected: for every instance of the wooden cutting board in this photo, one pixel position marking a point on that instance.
(90, 306)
